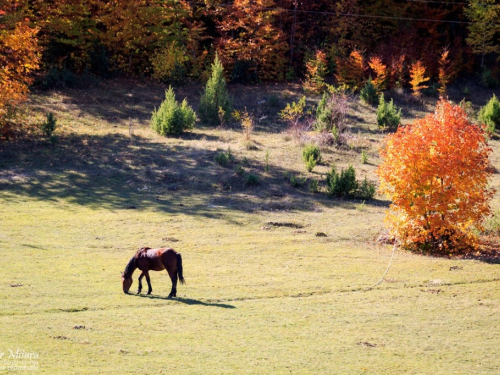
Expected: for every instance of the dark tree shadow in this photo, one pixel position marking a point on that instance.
(187, 301)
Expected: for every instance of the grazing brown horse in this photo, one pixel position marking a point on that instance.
(148, 259)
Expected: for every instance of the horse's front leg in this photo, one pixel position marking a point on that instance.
(150, 289)
(140, 283)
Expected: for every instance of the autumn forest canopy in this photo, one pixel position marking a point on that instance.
(256, 39)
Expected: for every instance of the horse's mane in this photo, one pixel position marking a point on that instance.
(130, 267)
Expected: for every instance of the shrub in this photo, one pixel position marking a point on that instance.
(293, 112)
(297, 181)
(388, 116)
(296, 117)
(343, 184)
(490, 114)
(364, 157)
(251, 179)
(172, 118)
(310, 164)
(331, 115)
(366, 189)
(223, 158)
(215, 96)
(247, 125)
(311, 155)
(49, 125)
(368, 93)
(313, 186)
(436, 173)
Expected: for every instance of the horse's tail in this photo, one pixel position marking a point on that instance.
(179, 269)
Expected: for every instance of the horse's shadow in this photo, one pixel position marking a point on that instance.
(187, 301)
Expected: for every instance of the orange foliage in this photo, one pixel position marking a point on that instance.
(417, 77)
(316, 70)
(351, 71)
(19, 56)
(397, 71)
(445, 71)
(380, 70)
(436, 173)
(248, 34)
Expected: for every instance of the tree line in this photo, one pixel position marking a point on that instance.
(256, 40)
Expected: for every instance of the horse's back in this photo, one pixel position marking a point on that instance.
(153, 259)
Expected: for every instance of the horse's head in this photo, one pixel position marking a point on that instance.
(126, 282)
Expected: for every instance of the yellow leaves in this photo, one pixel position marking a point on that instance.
(316, 69)
(380, 70)
(417, 77)
(351, 71)
(436, 172)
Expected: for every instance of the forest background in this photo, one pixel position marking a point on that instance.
(257, 40)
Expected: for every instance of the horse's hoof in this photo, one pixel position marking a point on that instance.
(149, 293)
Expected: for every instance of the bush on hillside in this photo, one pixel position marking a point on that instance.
(490, 114)
(172, 118)
(311, 154)
(388, 115)
(215, 99)
(368, 93)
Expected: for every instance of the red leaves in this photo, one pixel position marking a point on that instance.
(436, 173)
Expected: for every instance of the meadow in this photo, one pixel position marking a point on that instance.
(279, 279)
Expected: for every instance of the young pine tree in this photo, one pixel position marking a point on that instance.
(490, 114)
(215, 96)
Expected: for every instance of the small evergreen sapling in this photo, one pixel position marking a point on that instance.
(311, 155)
(368, 93)
(49, 125)
(490, 114)
(388, 116)
(215, 99)
(172, 118)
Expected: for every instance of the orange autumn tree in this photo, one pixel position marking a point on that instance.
(446, 72)
(417, 77)
(316, 69)
(250, 39)
(436, 173)
(380, 70)
(19, 57)
(351, 71)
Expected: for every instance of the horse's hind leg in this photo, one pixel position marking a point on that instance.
(173, 277)
(140, 283)
(150, 289)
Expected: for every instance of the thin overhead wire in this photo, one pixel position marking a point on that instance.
(368, 16)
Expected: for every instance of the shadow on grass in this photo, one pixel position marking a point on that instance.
(187, 301)
(115, 171)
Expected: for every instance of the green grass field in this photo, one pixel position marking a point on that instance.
(260, 298)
